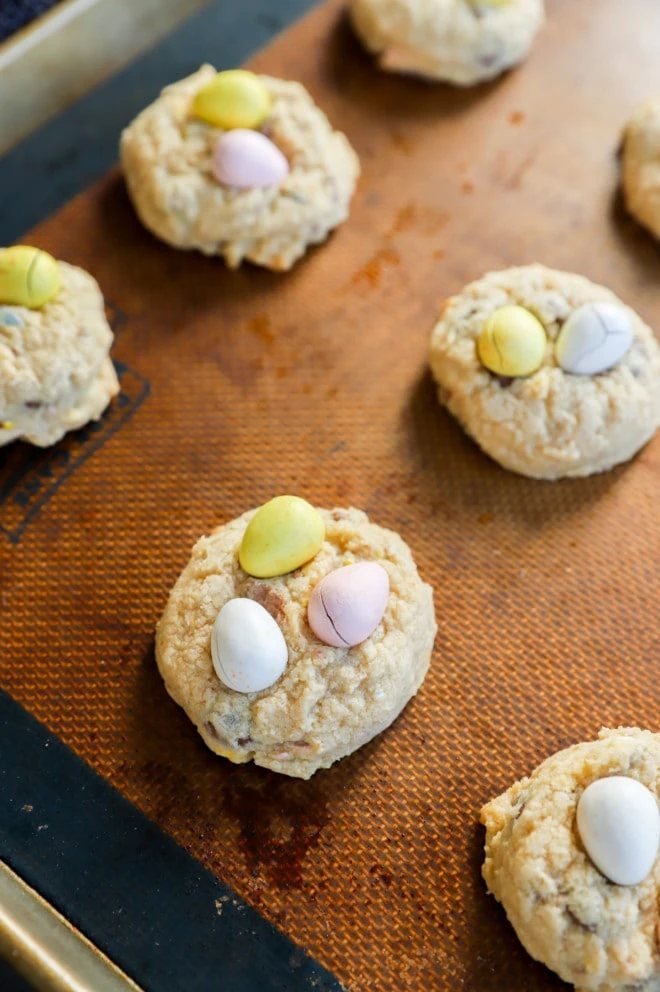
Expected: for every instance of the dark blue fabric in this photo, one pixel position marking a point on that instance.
(15, 14)
(10, 981)
(154, 910)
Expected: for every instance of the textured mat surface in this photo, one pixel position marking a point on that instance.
(315, 382)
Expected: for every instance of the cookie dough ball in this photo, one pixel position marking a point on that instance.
(169, 155)
(461, 41)
(600, 936)
(641, 165)
(550, 423)
(330, 700)
(55, 373)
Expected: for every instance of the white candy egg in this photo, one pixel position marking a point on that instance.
(619, 824)
(247, 646)
(594, 338)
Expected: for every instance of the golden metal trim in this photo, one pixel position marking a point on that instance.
(43, 946)
(61, 55)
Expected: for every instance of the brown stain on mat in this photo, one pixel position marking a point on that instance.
(279, 827)
(316, 382)
(404, 220)
(403, 143)
(370, 273)
(425, 219)
(261, 326)
(516, 176)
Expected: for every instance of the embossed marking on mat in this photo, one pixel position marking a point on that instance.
(30, 476)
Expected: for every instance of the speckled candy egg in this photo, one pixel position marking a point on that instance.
(594, 338)
(348, 604)
(247, 647)
(248, 159)
(619, 825)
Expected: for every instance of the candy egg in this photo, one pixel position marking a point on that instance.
(247, 647)
(594, 338)
(9, 318)
(235, 98)
(282, 535)
(619, 825)
(29, 277)
(246, 159)
(348, 604)
(237, 757)
(512, 342)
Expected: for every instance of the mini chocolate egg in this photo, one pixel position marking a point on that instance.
(235, 98)
(10, 318)
(512, 342)
(247, 159)
(247, 647)
(347, 605)
(619, 825)
(594, 338)
(29, 277)
(283, 534)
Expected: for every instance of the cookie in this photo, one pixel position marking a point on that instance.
(641, 165)
(179, 167)
(461, 41)
(330, 700)
(55, 373)
(549, 422)
(596, 934)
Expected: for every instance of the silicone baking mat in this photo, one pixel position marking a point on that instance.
(239, 386)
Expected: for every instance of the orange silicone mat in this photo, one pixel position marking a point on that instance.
(239, 386)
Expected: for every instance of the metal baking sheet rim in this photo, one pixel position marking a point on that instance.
(57, 38)
(43, 947)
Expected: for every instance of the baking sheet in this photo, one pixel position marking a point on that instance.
(239, 386)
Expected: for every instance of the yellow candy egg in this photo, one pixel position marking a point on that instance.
(512, 342)
(233, 99)
(234, 756)
(282, 535)
(29, 277)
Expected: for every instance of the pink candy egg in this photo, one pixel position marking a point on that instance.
(348, 604)
(248, 159)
